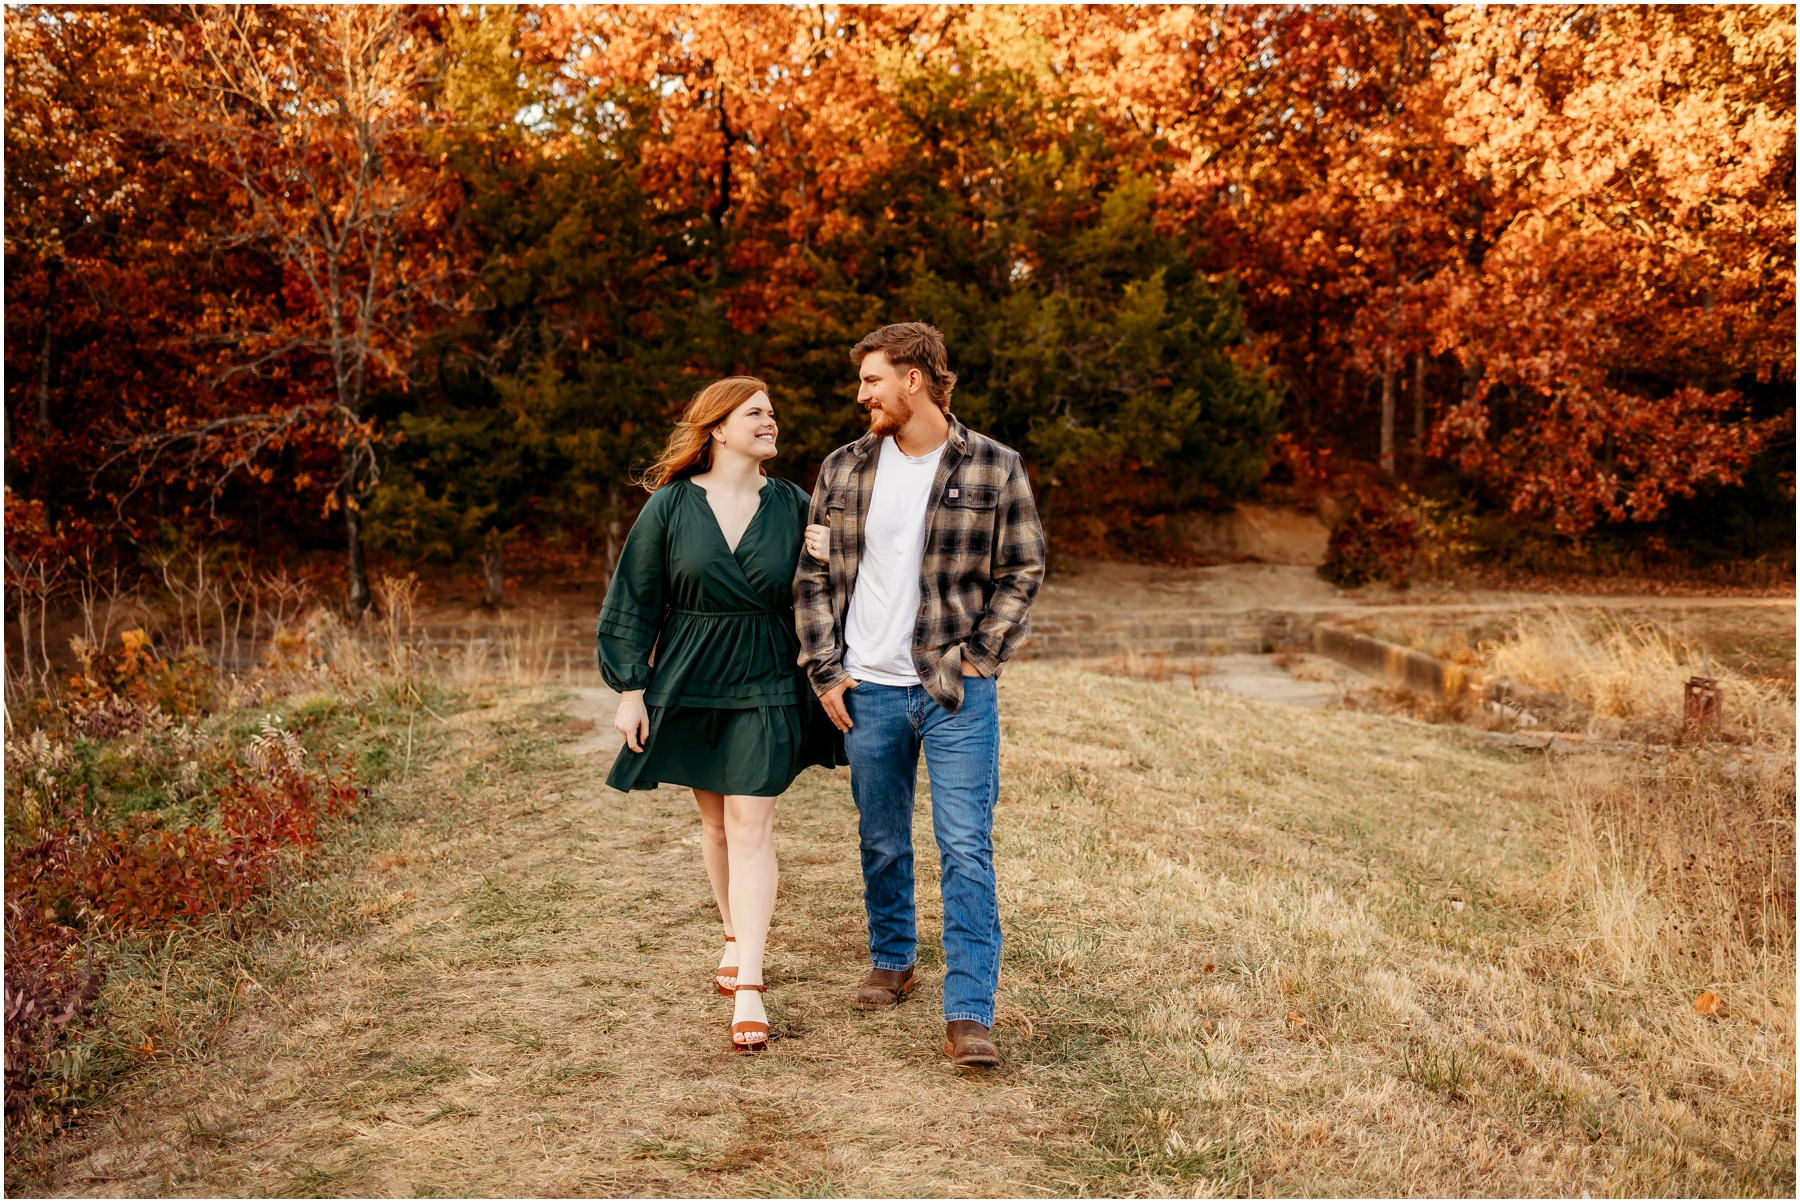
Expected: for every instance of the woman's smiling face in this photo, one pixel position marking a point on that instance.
(750, 428)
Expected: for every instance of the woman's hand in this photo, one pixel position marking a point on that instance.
(633, 721)
(818, 542)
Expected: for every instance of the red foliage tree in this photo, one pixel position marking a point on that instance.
(321, 123)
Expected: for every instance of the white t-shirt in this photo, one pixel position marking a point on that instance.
(884, 609)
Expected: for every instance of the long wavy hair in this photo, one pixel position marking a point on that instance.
(689, 449)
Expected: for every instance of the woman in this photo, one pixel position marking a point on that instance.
(697, 635)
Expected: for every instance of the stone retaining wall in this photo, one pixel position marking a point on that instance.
(1070, 636)
(1443, 679)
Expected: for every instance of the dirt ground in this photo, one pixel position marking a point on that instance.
(1242, 958)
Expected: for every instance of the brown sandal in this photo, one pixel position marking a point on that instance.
(756, 1029)
(725, 976)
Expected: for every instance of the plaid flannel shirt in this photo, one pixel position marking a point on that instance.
(984, 560)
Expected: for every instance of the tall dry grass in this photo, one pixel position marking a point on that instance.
(534, 650)
(1247, 951)
(1687, 869)
(1631, 675)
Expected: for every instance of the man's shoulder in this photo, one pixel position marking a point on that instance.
(986, 449)
(839, 461)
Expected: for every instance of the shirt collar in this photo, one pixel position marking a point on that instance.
(959, 435)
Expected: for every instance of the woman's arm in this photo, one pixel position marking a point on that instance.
(631, 618)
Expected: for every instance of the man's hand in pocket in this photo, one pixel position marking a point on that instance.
(833, 702)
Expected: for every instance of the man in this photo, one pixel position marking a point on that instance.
(926, 552)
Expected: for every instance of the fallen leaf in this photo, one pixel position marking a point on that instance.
(1208, 967)
(1296, 1020)
(1707, 1003)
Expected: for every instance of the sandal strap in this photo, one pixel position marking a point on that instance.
(758, 987)
(731, 939)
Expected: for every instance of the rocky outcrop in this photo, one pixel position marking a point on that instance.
(1265, 533)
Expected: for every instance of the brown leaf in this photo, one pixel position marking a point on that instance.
(1707, 1003)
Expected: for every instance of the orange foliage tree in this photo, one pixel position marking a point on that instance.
(321, 121)
(1636, 168)
(1561, 237)
(1586, 215)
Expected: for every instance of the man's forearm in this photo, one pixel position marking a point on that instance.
(1018, 570)
(815, 623)
(1003, 625)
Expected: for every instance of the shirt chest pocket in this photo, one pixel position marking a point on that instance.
(837, 500)
(971, 497)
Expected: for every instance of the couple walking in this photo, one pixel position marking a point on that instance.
(752, 631)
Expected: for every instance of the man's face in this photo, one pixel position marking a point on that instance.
(888, 393)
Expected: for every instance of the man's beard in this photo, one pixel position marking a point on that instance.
(891, 417)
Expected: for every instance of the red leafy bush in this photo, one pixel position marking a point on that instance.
(48, 986)
(83, 880)
(1374, 540)
(142, 877)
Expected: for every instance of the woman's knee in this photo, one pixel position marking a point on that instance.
(747, 816)
(712, 829)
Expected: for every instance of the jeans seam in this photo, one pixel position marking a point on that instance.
(892, 968)
(986, 1021)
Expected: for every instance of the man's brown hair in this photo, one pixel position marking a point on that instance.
(913, 345)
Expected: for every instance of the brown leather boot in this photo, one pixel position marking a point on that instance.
(885, 988)
(967, 1043)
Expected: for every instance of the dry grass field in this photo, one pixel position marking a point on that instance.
(1248, 952)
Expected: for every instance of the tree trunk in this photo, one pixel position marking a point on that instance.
(23, 678)
(493, 572)
(51, 271)
(1419, 404)
(615, 535)
(1388, 379)
(359, 572)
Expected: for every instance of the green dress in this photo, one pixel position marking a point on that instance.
(730, 709)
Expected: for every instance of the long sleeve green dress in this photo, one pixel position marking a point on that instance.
(730, 709)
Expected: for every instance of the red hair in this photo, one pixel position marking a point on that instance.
(689, 449)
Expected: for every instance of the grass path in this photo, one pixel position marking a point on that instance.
(1248, 951)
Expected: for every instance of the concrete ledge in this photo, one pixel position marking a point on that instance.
(1423, 673)
(1083, 635)
(1393, 663)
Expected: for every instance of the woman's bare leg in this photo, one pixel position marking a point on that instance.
(750, 844)
(718, 864)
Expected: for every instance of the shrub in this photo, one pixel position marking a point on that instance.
(84, 878)
(1374, 540)
(136, 674)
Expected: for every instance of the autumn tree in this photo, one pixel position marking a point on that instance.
(594, 311)
(318, 118)
(1637, 169)
(100, 278)
(520, 237)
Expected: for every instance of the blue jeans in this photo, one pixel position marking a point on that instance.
(962, 754)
